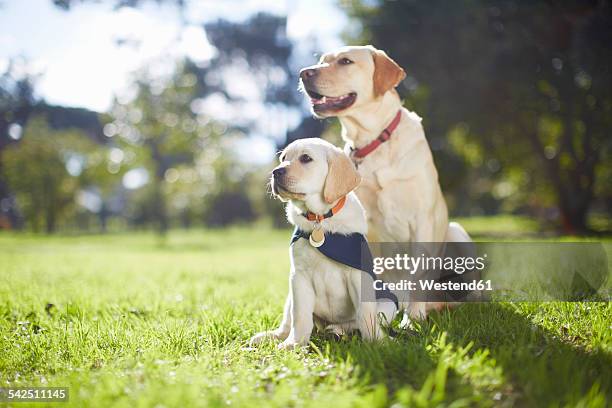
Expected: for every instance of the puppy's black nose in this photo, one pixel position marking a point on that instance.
(308, 73)
(279, 172)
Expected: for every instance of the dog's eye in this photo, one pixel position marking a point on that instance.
(305, 158)
(345, 61)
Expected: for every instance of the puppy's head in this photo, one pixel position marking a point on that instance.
(314, 171)
(347, 78)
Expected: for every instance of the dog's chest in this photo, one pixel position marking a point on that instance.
(390, 187)
(329, 280)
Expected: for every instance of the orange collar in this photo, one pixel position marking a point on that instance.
(310, 216)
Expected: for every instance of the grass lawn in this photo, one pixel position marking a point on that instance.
(125, 320)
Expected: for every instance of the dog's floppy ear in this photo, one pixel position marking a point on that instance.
(342, 177)
(387, 74)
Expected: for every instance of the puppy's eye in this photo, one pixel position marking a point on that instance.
(305, 158)
(345, 61)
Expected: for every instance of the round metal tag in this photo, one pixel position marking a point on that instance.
(317, 237)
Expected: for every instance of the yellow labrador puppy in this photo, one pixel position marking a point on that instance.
(400, 189)
(316, 180)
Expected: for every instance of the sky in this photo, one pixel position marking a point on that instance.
(79, 63)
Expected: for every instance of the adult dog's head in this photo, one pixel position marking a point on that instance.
(314, 171)
(348, 78)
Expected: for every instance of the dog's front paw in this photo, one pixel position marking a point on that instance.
(262, 337)
(289, 345)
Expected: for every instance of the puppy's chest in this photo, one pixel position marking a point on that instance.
(329, 280)
(311, 263)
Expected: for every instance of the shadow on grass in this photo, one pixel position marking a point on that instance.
(534, 367)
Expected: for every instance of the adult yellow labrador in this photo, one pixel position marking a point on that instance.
(399, 188)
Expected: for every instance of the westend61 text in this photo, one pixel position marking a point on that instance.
(431, 285)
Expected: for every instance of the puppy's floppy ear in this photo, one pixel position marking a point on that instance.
(342, 176)
(387, 74)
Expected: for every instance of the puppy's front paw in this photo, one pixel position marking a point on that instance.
(385, 312)
(288, 345)
(263, 336)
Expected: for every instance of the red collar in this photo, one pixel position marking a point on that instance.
(384, 136)
(316, 217)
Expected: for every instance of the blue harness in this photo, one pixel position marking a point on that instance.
(347, 249)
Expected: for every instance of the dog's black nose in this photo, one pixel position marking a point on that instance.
(279, 172)
(307, 73)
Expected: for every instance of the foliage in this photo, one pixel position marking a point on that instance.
(261, 45)
(229, 207)
(187, 155)
(16, 98)
(258, 55)
(123, 321)
(180, 131)
(37, 171)
(169, 129)
(519, 91)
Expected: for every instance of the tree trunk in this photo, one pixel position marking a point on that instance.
(160, 207)
(573, 198)
(50, 220)
(103, 217)
(573, 220)
(158, 194)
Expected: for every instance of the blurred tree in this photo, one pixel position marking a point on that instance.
(259, 47)
(45, 170)
(16, 101)
(190, 158)
(229, 207)
(160, 130)
(16, 104)
(252, 74)
(520, 90)
(249, 85)
(97, 168)
(254, 78)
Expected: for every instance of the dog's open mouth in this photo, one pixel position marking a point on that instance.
(322, 103)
